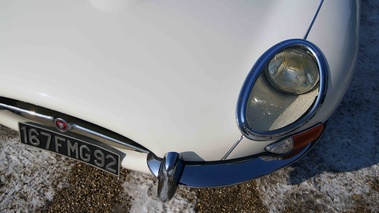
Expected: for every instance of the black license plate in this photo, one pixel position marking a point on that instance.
(97, 156)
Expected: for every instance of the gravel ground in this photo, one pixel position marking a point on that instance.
(340, 175)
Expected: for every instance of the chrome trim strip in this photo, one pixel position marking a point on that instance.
(48, 120)
(23, 112)
(228, 172)
(255, 72)
(313, 20)
(91, 132)
(232, 148)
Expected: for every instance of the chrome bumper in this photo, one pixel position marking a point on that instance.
(217, 173)
(228, 172)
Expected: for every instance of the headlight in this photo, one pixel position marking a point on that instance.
(283, 90)
(293, 70)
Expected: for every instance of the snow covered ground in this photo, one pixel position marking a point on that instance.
(339, 174)
(26, 180)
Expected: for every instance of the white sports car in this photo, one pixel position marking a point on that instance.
(199, 93)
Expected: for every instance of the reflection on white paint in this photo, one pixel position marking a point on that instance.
(45, 95)
(108, 5)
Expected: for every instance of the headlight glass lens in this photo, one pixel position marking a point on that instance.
(293, 71)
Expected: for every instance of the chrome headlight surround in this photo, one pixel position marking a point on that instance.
(259, 70)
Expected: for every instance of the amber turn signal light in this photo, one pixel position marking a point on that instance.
(304, 138)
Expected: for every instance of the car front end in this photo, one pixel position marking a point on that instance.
(202, 94)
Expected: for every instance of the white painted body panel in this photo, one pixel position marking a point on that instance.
(164, 74)
(336, 33)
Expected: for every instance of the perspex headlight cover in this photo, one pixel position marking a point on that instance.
(283, 90)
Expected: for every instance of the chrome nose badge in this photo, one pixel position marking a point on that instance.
(61, 125)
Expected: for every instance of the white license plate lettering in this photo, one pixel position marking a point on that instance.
(73, 148)
(100, 158)
(58, 143)
(48, 139)
(111, 164)
(84, 153)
